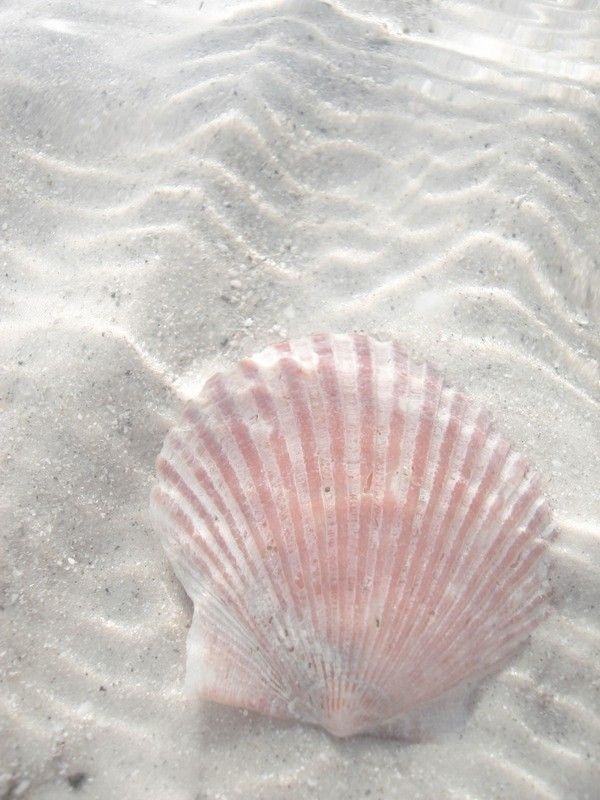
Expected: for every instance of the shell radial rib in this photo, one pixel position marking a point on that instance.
(360, 545)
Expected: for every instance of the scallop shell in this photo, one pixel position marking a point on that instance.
(360, 545)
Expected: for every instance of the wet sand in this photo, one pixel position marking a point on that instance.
(187, 182)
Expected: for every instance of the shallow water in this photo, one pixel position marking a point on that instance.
(185, 182)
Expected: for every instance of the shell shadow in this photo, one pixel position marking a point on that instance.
(219, 723)
(436, 723)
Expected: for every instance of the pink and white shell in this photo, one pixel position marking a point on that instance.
(360, 545)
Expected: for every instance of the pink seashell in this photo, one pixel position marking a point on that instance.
(361, 546)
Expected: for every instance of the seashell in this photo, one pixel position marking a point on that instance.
(360, 545)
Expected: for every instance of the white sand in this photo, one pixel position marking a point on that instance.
(185, 182)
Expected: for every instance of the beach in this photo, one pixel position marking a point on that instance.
(185, 183)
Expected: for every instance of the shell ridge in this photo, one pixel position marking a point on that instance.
(330, 483)
(487, 656)
(396, 433)
(504, 589)
(277, 470)
(212, 495)
(338, 362)
(343, 351)
(346, 363)
(424, 429)
(245, 508)
(194, 548)
(218, 669)
(451, 507)
(222, 640)
(464, 492)
(316, 448)
(394, 596)
(522, 515)
(308, 412)
(211, 603)
(232, 497)
(337, 437)
(484, 478)
(259, 479)
(516, 549)
(402, 613)
(453, 487)
(443, 447)
(429, 494)
(362, 412)
(520, 626)
(207, 565)
(365, 377)
(422, 617)
(242, 556)
(280, 470)
(431, 392)
(447, 450)
(478, 582)
(295, 414)
(514, 620)
(285, 461)
(195, 580)
(383, 380)
(439, 587)
(394, 490)
(177, 482)
(363, 416)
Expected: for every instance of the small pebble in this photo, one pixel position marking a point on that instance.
(76, 779)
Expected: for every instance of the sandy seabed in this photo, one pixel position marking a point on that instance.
(185, 182)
